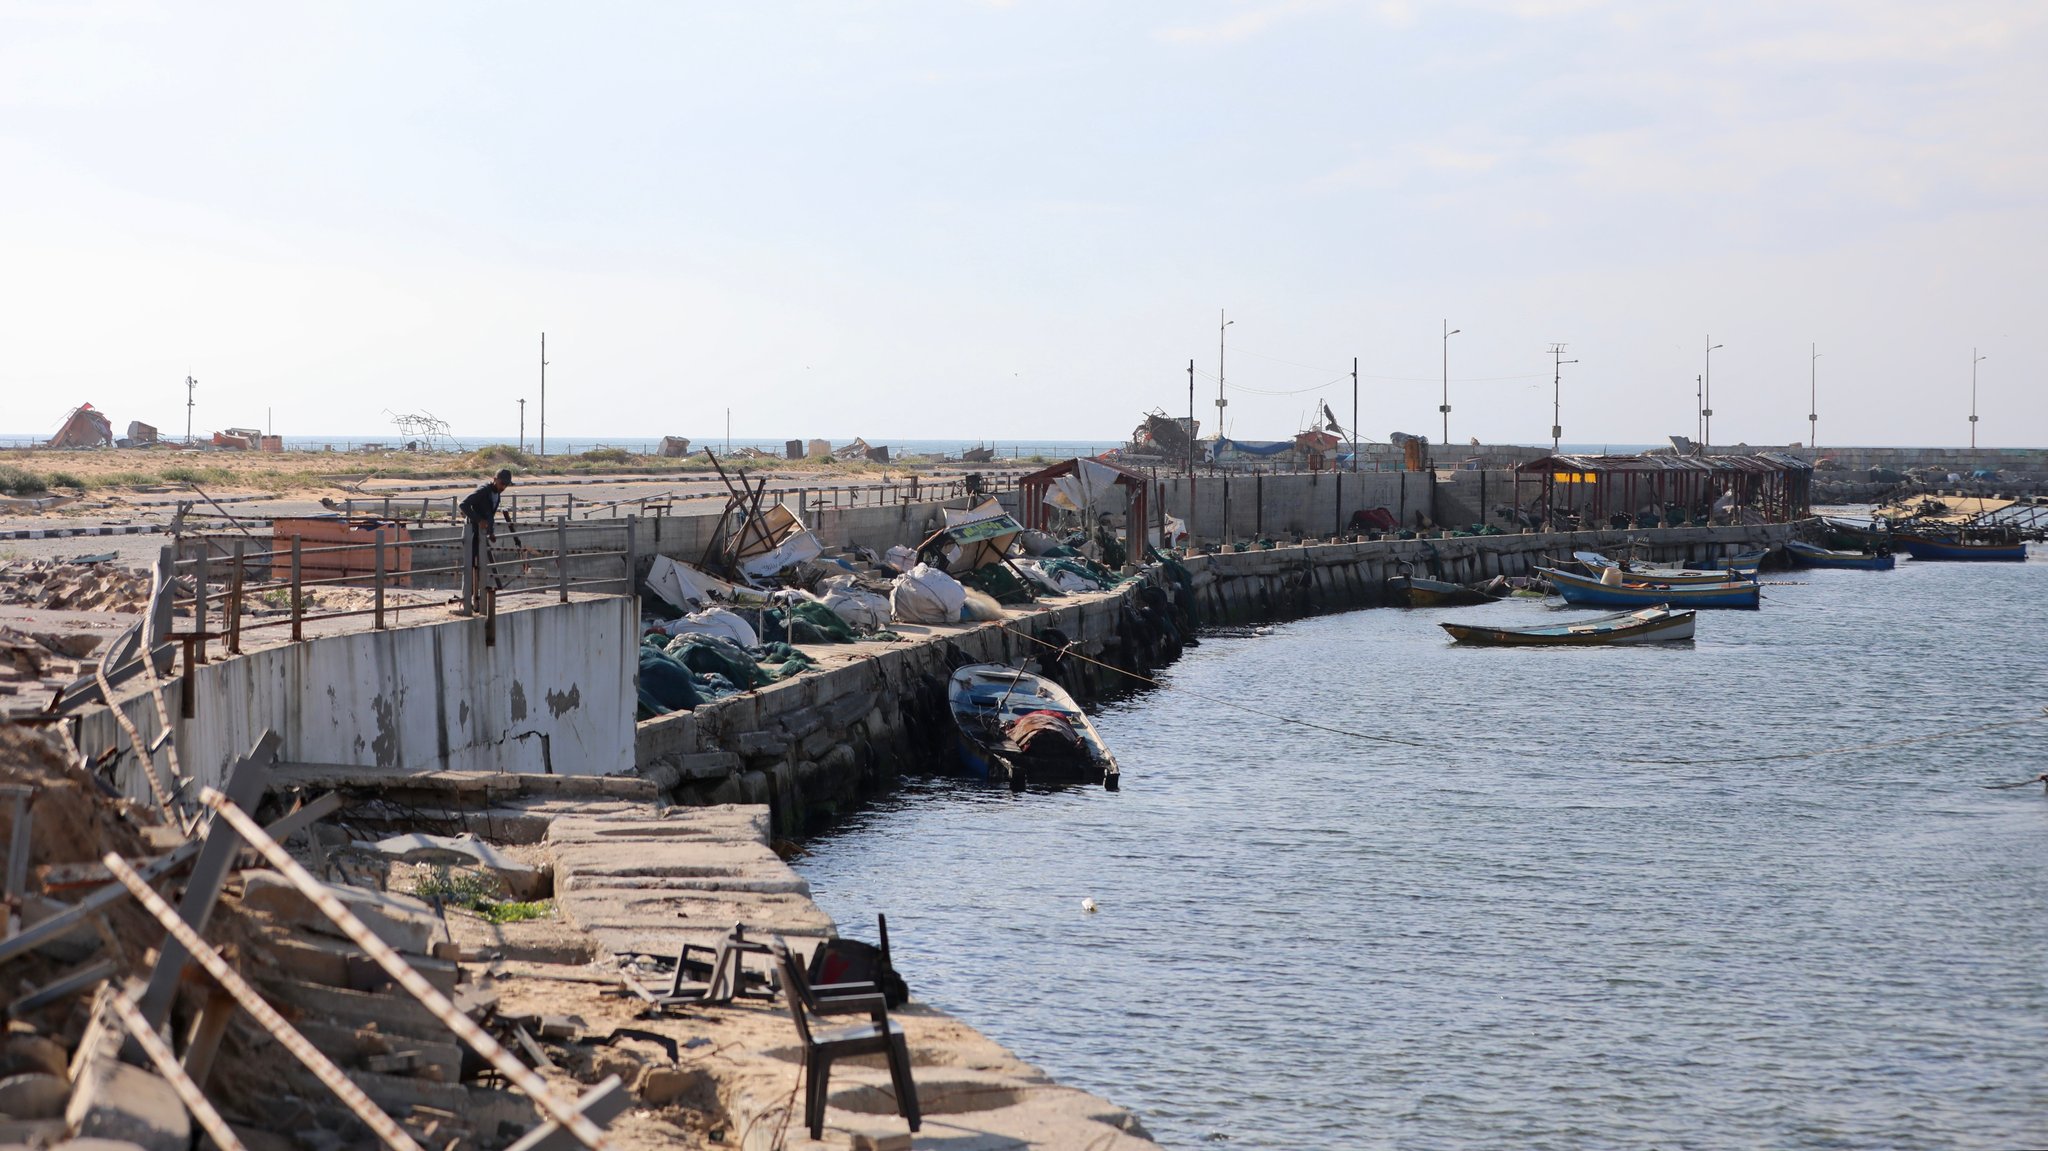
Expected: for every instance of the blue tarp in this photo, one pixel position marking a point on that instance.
(1254, 447)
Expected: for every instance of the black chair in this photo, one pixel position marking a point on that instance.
(845, 966)
(720, 979)
(878, 1036)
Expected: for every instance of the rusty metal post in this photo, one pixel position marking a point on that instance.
(298, 600)
(387, 508)
(235, 604)
(199, 594)
(571, 513)
(378, 584)
(633, 562)
(562, 556)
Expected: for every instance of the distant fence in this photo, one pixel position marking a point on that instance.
(804, 498)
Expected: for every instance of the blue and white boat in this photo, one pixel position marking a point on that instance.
(1018, 727)
(1636, 591)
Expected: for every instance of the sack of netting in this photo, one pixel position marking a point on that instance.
(925, 594)
(809, 621)
(665, 683)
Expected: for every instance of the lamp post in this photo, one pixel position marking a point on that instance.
(1975, 359)
(1221, 403)
(522, 425)
(1707, 404)
(1556, 373)
(1449, 331)
(1812, 405)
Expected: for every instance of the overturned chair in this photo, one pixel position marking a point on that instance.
(880, 1035)
(720, 979)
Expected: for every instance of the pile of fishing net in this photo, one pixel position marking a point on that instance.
(678, 674)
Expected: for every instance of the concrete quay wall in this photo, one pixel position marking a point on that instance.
(553, 693)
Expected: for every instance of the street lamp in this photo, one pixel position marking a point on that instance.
(1556, 371)
(1449, 331)
(1812, 414)
(1975, 359)
(1707, 404)
(1221, 403)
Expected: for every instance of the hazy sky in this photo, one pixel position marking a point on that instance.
(1019, 220)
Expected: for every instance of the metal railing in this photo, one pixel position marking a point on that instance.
(224, 590)
(806, 498)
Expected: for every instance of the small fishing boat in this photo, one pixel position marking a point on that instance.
(1578, 589)
(1741, 567)
(1016, 726)
(1958, 547)
(1419, 591)
(1647, 625)
(1850, 535)
(1812, 556)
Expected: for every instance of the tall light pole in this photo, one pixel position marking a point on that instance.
(1812, 404)
(1221, 403)
(1975, 359)
(543, 393)
(1699, 410)
(1707, 404)
(1445, 408)
(1556, 373)
(522, 424)
(191, 384)
(1354, 413)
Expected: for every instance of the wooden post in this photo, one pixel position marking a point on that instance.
(379, 584)
(298, 601)
(562, 556)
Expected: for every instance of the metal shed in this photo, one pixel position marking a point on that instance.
(1663, 490)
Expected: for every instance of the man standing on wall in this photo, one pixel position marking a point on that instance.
(480, 514)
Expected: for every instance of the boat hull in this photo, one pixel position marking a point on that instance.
(1577, 589)
(1415, 591)
(1929, 548)
(987, 699)
(1807, 555)
(1653, 625)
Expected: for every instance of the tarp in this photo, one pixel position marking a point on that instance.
(1254, 447)
(789, 543)
(715, 621)
(683, 586)
(1082, 488)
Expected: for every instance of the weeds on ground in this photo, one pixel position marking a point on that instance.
(479, 893)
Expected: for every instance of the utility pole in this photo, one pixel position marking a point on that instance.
(1812, 400)
(1699, 412)
(522, 424)
(1449, 331)
(1975, 359)
(543, 393)
(1221, 403)
(1190, 528)
(1354, 414)
(191, 383)
(1556, 374)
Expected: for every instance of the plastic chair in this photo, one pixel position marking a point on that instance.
(821, 1047)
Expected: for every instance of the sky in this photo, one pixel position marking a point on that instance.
(1022, 221)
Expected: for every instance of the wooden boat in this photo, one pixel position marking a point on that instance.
(1812, 556)
(1418, 591)
(1596, 563)
(1580, 589)
(1016, 726)
(1930, 547)
(1647, 625)
(1849, 535)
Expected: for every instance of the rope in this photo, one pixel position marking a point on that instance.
(1068, 649)
(1861, 747)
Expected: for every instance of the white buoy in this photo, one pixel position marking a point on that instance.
(1088, 905)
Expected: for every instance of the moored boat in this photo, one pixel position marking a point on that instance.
(1017, 726)
(1740, 568)
(1657, 624)
(1955, 547)
(1418, 591)
(1578, 589)
(1813, 556)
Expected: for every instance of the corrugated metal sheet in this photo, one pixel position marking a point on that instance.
(1758, 463)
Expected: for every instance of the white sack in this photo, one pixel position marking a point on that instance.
(715, 621)
(925, 594)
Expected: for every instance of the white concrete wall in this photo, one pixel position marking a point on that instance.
(428, 697)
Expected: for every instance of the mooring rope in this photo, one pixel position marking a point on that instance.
(1068, 650)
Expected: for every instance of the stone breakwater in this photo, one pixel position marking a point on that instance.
(814, 746)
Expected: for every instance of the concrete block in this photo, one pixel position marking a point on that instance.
(113, 1100)
(405, 923)
(759, 743)
(708, 765)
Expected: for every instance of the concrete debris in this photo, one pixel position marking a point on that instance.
(85, 427)
(405, 923)
(522, 879)
(74, 587)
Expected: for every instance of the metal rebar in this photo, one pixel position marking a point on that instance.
(235, 603)
(379, 581)
(430, 997)
(166, 1062)
(562, 556)
(261, 1011)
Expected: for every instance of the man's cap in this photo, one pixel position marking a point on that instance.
(504, 475)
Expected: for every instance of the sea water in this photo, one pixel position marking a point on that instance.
(1740, 892)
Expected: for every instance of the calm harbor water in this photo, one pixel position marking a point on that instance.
(1592, 901)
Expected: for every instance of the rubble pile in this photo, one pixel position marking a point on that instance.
(74, 587)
